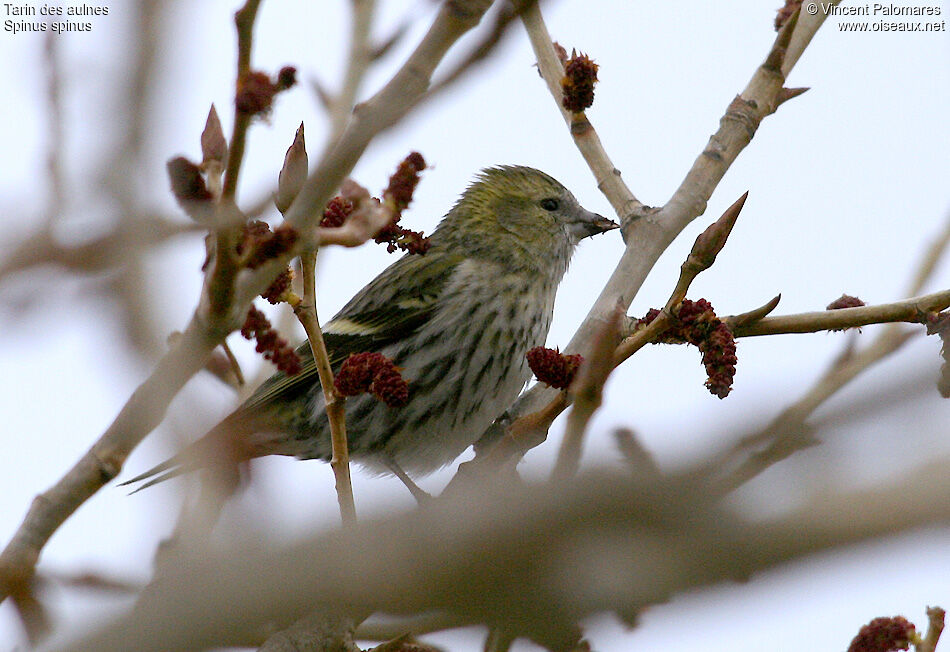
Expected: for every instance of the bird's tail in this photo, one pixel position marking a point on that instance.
(221, 449)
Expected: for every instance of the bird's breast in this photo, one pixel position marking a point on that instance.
(467, 365)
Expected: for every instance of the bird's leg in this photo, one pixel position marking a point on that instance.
(420, 494)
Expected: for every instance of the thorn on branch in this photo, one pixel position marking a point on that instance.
(755, 315)
(787, 94)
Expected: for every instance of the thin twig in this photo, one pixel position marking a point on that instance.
(907, 310)
(233, 363)
(788, 432)
(935, 618)
(624, 203)
(403, 92)
(244, 20)
(929, 261)
(306, 311)
(43, 249)
(32, 613)
(756, 322)
(117, 176)
(228, 218)
(479, 52)
(643, 336)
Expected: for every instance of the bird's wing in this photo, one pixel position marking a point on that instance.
(396, 304)
(393, 306)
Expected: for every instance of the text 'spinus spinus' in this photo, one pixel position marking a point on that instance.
(456, 321)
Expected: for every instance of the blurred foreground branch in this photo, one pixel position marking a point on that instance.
(551, 555)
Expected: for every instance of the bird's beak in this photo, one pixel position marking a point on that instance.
(602, 224)
(592, 224)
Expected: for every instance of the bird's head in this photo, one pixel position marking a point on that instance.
(521, 212)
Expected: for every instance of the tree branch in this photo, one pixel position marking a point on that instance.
(649, 231)
(546, 560)
(227, 293)
(907, 310)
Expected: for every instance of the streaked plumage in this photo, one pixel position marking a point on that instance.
(457, 321)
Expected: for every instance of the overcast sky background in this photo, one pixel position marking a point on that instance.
(848, 185)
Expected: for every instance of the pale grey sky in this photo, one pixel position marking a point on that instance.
(848, 184)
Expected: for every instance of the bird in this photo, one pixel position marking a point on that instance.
(456, 321)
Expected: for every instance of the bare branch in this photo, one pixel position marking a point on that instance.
(244, 20)
(648, 231)
(907, 310)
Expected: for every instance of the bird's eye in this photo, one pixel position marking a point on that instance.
(549, 204)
